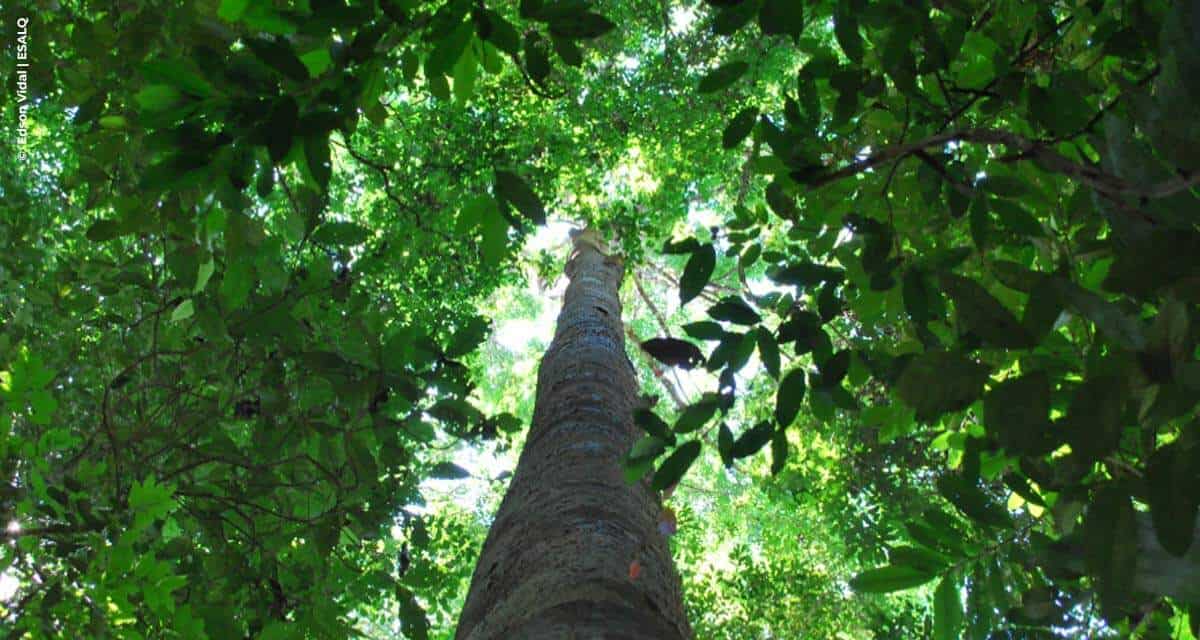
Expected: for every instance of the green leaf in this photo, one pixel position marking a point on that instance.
(674, 352)
(938, 382)
(42, 406)
(972, 501)
(697, 272)
(731, 18)
(1123, 330)
(739, 127)
(676, 464)
(464, 74)
(704, 330)
(725, 444)
(768, 351)
(413, 621)
(1173, 482)
(316, 154)
(537, 61)
(845, 29)
(1016, 218)
(184, 311)
(1110, 548)
(916, 295)
(1017, 410)
(157, 97)
(984, 314)
(805, 274)
(278, 54)
(232, 10)
(567, 50)
(782, 17)
(317, 61)
(918, 558)
(947, 609)
(179, 73)
(581, 25)
(103, 230)
(723, 77)
(789, 396)
(494, 231)
(754, 439)
(341, 233)
(500, 32)
(512, 189)
(1093, 423)
(735, 310)
(779, 451)
(652, 424)
(150, 501)
(696, 414)
(646, 448)
(888, 579)
(448, 471)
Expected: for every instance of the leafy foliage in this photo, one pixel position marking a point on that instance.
(941, 257)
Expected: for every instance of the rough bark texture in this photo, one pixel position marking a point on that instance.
(556, 563)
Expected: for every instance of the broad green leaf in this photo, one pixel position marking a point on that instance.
(938, 382)
(1017, 411)
(696, 415)
(888, 579)
(494, 232)
(183, 311)
(232, 10)
(341, 233)
(1122, 329)
(580, 25)
(413, 620)
(103, 230)
(782, 17)
(512, 189)
(704, 330)
(1110, 547)
(779, 451)
(317, 61)
(158, 97)
(723, 77)
(947, 608)
(647, 447)
(448, 471)
(1173, 482)
(674, 352)
(972, 501)
(464, 74)
(652, 424)
(789, 397)
(768, 351)
(845, 29)
(754, 439)
(735, 310)
(1093, 423)
(676, 464)
(739, 127)
(697, 272)
(918, 558)
(734, 16)
(725, 444)
(278, 55)
(984, 314)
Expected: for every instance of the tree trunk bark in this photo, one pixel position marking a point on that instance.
(559, 559)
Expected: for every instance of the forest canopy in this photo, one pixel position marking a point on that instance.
(911, 289)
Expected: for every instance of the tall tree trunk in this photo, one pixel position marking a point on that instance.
(559, 559)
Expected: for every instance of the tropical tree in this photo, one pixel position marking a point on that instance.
(939, 258)
(554, 562)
